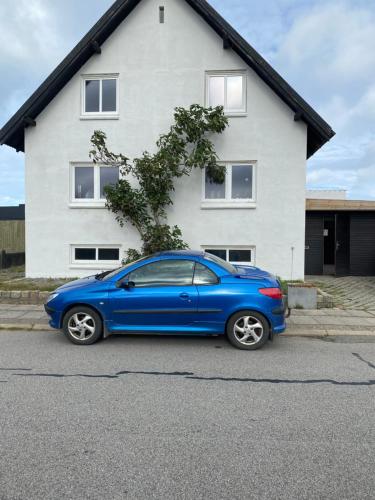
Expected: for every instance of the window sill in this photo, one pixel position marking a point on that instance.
(100, 117)
(89, 204)
(207, 205)
(232, 114)
(95, 266)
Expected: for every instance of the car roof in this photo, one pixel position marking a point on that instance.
(179, 253)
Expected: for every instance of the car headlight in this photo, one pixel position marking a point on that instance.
(52, 296)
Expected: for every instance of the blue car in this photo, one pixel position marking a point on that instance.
(175, 292)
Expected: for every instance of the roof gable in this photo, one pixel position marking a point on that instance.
(13, 133)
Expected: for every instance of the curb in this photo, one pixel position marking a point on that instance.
(291, 332)
(26, 327)
(327, 332)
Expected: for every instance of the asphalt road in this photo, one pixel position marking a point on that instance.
(185, 418)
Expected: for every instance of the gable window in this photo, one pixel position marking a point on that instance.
(236, 256)
(95, 255)
(100, 96)
(89, 181)
(227, 90)
(238, 189)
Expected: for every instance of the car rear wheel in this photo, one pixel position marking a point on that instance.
(82, 326)
(248, 330)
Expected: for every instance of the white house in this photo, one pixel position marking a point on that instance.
(141, 60)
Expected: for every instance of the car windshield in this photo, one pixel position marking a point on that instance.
(107, 275)
(222, 263)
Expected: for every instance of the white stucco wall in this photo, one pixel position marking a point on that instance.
(162, 66)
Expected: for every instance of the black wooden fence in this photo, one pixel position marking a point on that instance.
(10, 259)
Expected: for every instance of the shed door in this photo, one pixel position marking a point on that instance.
(362, 244)
(342, 244)
(314, 244)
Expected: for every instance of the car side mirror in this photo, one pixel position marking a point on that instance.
(126, 284)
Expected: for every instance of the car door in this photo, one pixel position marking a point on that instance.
(160, 297)
(212, 300)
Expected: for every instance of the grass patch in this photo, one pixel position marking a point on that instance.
(284, 284)
(14, 279)
(42, 285)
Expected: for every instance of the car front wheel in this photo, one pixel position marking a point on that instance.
(248, 330)
(82, 325)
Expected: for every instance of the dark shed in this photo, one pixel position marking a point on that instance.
(340, 237)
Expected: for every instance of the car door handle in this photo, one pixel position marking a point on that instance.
(184, 296)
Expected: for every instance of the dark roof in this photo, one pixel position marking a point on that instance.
(12, 213)
(12, 134)
(335, 205)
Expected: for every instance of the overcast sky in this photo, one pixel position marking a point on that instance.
(324, 48)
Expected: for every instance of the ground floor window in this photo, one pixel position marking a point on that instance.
(90, 254)
(234, 255)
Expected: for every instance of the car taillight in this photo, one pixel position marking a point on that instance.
(273, 293)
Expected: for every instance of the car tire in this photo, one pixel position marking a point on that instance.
(82, 325)
(248, 330)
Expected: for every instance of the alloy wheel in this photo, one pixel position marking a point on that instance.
(248, 330)
(81, 326)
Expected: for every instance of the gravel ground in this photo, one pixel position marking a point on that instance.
(190, 418)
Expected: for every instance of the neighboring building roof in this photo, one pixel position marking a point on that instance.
(12, 213)
(12, 134)
(326, 194)
(333, 205)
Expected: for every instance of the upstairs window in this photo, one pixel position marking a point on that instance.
(100, 96)
(237, 187)
(227, 90)
(89, 181)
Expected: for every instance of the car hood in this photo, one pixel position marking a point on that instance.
(253, 272)
(83, 282)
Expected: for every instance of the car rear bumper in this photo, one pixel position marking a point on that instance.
(279, 313)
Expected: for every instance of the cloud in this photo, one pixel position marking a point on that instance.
(322, 48)
(12, 177)
(326, 55)
(29, 30)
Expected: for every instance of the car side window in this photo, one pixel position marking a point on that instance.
(204, 276)
(164, 273)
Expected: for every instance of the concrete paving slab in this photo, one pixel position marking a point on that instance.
(302, 332)
(302, 320)
(344, 321)
(11, 314)
(338, 332)
(32, 315)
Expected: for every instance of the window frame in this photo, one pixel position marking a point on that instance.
(227, 248)
(228, 201)
(96, 201)
(94, 264)
(87, 115)
(126, 277)
(225, 74)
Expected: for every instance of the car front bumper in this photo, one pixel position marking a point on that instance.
(55, 316)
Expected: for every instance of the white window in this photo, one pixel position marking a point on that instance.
(234, 255)
(103, 256)
(238, 189)
(100, 96)
(89, 181)
(227, 90)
